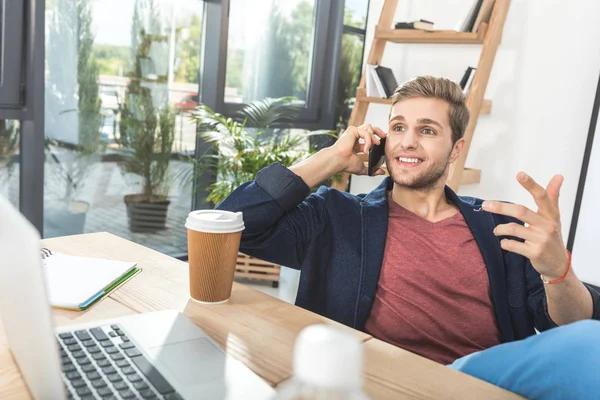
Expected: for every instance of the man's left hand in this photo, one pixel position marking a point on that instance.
(543, 244)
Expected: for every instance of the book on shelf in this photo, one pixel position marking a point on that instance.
(467, 23)
(381, 82)
(388, 80)
(484, 15)
(467, 79)
(373, 85)
(420, 25)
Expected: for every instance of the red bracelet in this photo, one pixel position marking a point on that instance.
(562, 278)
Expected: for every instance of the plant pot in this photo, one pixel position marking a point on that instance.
(146, 214)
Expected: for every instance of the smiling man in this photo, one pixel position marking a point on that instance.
(411, 262)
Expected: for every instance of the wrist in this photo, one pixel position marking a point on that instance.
(563, 271)
(335, 160)
(317, 168)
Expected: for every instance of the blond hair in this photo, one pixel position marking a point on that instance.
(442, 89)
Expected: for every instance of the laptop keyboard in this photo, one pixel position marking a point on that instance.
(102, 363)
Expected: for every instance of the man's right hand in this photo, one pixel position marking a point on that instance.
(341, 156)
(345, 149)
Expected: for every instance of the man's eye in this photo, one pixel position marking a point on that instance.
(428, 131)
(398, 128)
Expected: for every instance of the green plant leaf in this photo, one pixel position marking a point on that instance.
(242, 147)
(263, 113)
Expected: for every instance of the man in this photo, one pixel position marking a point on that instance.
(411, 262)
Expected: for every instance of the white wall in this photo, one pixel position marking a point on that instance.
(542, 89)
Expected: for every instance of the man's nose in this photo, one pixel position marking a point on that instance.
(409, 140)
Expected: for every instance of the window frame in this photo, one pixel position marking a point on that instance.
(26, 56)
(12, 58)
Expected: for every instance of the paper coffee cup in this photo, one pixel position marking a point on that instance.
(213, 245)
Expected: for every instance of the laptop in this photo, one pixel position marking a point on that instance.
(157, 355)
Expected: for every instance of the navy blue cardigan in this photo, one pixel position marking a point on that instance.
(337, 241)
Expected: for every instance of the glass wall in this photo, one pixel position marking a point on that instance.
(121, 78)
(9, 160)
(270, 45)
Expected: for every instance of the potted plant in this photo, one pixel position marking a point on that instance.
(73, 119)
(244, 145)
(67, 170)
(147, 140)
(146, 135)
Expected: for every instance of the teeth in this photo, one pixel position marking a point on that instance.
(409, 160)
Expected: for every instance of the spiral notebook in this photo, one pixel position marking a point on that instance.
(75, 283)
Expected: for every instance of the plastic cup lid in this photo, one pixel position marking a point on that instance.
(215, 221)
(328, 356)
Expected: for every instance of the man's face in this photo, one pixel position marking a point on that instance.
(419, 147)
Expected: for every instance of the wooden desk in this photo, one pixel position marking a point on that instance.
(253, 327)
(394, 373)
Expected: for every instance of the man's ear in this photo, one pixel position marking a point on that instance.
(457, 149)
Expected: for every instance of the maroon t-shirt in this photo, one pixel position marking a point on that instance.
(433, 294)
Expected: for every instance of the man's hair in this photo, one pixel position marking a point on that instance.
(442, 89)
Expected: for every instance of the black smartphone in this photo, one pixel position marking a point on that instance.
(376, 157)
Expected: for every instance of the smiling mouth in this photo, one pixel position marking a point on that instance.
(406, 160)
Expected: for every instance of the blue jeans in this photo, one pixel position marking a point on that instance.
(561, 363)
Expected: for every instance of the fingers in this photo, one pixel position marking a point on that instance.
(514, 246)
(366, 137)
(517, 211)
(367, 133)
(352, 138)
(371, 135)
(516, 230)
(540, 195)
(553, 189)
(379, 132)
(362, 168)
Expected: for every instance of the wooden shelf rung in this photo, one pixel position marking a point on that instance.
(470, 176)
(374, 100)
(429, 37)
(486, 105)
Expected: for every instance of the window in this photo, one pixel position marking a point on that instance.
(274, 48)
(269, 50)
(121, 77)
(121, 74)
(9, 160)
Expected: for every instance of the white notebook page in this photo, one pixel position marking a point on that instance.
(73, 280)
